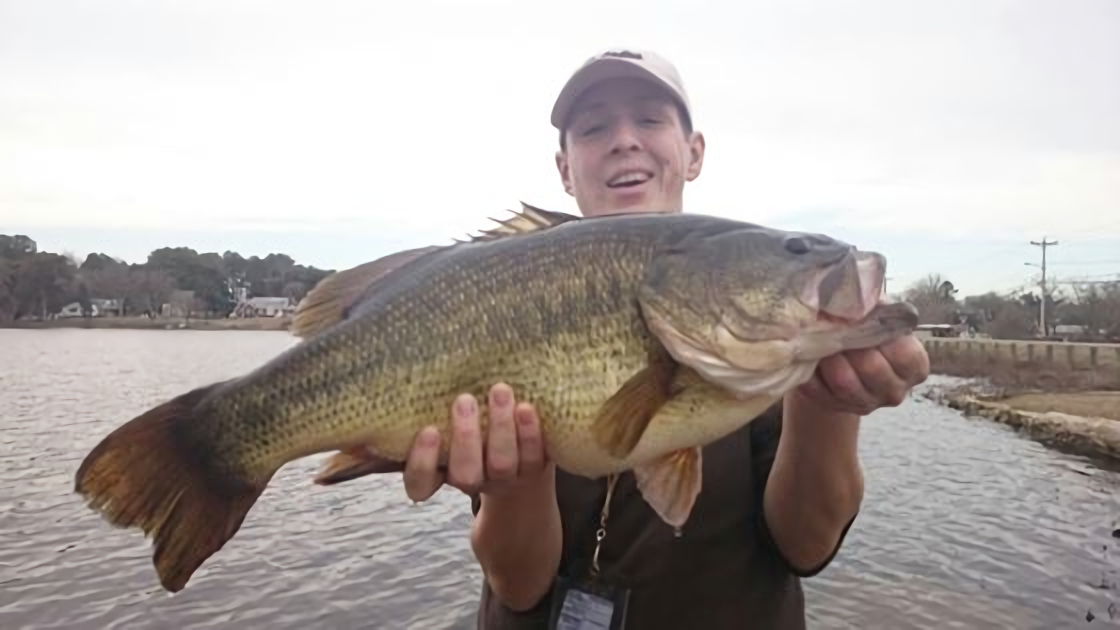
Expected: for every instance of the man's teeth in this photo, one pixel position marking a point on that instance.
(629, 178)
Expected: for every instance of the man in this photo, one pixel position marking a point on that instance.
(778, 495)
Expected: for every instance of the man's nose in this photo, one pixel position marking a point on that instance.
(625, 138)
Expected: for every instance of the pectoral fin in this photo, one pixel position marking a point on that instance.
(624, 417)
(671, 483)
(353, 463)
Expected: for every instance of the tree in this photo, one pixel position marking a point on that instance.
(935, 299)
(295, 290)
(1095, 306)
(43, 284)
(17, 247)
(149, 290)
(40, 283)
(204, 275)
(7, 288)
(106, 279)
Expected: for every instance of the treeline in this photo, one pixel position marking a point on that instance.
(38, 284)
(1091, 306)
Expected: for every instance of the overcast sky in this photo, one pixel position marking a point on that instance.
(946, 134)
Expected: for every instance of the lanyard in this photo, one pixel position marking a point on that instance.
(601, 533)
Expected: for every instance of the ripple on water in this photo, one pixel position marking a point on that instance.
(965, 523)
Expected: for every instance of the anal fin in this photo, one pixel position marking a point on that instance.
(671, 483)
(353, 463)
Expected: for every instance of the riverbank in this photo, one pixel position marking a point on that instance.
(159, 323)
(1085, 422)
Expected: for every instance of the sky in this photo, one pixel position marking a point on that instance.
(947, 135)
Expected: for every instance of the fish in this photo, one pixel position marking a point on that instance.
(638, 338)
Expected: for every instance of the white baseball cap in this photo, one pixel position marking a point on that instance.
(616, 64)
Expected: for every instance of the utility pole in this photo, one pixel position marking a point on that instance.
(1042, 306)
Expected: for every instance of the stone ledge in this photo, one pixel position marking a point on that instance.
(1096, 435)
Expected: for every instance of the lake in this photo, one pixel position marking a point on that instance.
(966, 524)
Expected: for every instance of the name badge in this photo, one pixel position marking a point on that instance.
(587, 605)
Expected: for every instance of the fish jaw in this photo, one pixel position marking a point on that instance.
(887, 321)
(747, 368)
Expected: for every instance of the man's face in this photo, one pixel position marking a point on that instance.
(627, 151)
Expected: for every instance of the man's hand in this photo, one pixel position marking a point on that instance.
(511, 456)
(861, 381)
(516, 535)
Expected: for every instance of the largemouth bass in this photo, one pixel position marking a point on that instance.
(638, 338)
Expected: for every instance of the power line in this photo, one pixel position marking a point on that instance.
(1114, 261)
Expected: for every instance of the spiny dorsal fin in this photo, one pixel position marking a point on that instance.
(331, 300)
(529, 219)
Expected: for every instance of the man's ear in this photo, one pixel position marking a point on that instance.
(696, 146)
(565, 171)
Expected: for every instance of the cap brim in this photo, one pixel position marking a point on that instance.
(599, 70)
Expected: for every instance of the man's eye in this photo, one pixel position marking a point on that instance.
(592, 130)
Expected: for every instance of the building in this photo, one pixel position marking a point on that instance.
(264, 307)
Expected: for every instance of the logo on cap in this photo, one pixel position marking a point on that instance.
(622, 54)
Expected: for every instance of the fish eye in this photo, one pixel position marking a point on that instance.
(797, 245)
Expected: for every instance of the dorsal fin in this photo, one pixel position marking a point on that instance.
(529, 219)
(331, 300)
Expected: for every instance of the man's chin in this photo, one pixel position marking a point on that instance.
(633, 204)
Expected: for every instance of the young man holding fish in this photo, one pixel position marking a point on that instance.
(778, 495)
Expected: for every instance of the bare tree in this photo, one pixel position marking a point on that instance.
(113, 282)
(150, 290)
(295, 291)
(1097, 307)
(935, 298)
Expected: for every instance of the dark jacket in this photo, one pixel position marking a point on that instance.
(723, 572)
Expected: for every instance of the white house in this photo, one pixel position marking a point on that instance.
(263, 307)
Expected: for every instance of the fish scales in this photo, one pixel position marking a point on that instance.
(545, 320)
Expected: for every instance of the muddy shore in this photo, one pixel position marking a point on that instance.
(1083, 421)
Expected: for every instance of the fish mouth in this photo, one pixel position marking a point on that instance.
(629, 178)
(848, 291)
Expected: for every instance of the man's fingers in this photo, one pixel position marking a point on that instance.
(464, 466)
(908, 359)
(879, 378)
(530, 444)
(422, 477)
(501, 438)
(842, 381)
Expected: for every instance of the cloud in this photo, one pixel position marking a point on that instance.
(963, 120)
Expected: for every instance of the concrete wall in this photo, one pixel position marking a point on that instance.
(1046, 365)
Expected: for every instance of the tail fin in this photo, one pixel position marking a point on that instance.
(155, 473)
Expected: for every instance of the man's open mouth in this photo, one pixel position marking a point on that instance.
(629, 178)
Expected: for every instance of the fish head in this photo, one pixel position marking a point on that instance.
(756, 308)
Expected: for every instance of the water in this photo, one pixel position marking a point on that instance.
(965, 523)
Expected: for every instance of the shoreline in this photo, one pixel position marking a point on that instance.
(1085, 422)
(276, 324)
